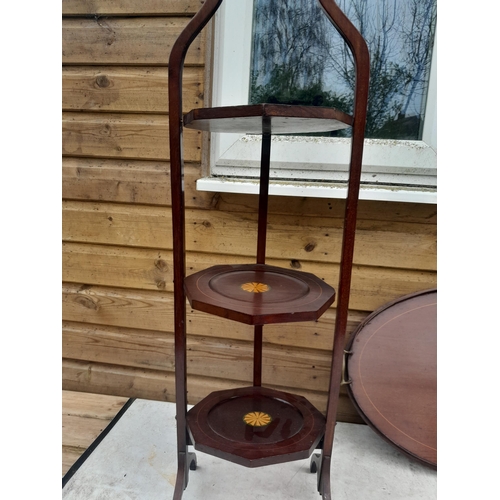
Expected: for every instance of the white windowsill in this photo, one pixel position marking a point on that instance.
(318, 190)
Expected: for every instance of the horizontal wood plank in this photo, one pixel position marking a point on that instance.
(153, 310)
(311, 335)
(118, 380)
(123, 346)
(211, 357)
(70, 455)
(126, 136)
(98, 179)
(160, 386)
(80, 431)
(126, 89)
(298, 239)
(88, 405)
(127, 308)
(421, 213)
(80, 304)
(130, 7)
(149, 269)
(137, 41)
(144, 309)
(140, 268)
(128, 181)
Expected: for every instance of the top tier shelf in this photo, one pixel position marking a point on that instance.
(267, 118)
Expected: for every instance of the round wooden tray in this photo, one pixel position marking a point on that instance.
(392, 371)
(259, 294)
(255, 426)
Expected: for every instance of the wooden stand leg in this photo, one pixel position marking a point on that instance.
(321, 466)
(261, 237)
(182, 476)
(324, 479)
(257, 356)
(186, 461)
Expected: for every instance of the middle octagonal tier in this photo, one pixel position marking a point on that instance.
(259, 294)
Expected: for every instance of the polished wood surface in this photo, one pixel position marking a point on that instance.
(283, 119)
(361, 59)
(393, 373)
(255, 426)
(258, 294)
(175, 71)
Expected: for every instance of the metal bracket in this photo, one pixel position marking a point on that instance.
(344, 381)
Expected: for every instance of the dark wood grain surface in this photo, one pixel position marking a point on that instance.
(393, 369)
(284, 119)
(259, 294)
(255, 426)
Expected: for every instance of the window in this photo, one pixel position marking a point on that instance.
(394, 168)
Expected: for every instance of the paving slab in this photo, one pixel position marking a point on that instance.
(137, 460)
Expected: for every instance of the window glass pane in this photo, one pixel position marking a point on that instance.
(299, 58)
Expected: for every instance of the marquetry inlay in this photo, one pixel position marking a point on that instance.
(255, 287)
(257, 418)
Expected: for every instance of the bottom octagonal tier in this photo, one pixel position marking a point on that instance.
(255, 426)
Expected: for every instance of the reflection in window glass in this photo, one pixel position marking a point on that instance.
(299, 58)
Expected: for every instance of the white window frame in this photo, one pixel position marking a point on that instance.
(308, 166)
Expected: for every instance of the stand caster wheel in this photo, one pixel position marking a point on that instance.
(193, 463)
(315, 462)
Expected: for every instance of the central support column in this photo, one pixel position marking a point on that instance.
(265, 162)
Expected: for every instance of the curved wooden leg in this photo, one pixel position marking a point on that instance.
(182, 479)
(183, 467)
(324, 480)
(321, 465)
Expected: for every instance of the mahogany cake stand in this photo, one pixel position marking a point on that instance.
(255, 426)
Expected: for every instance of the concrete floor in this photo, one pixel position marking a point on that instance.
(137, 460)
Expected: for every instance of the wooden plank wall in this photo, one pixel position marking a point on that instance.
(117, 269)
